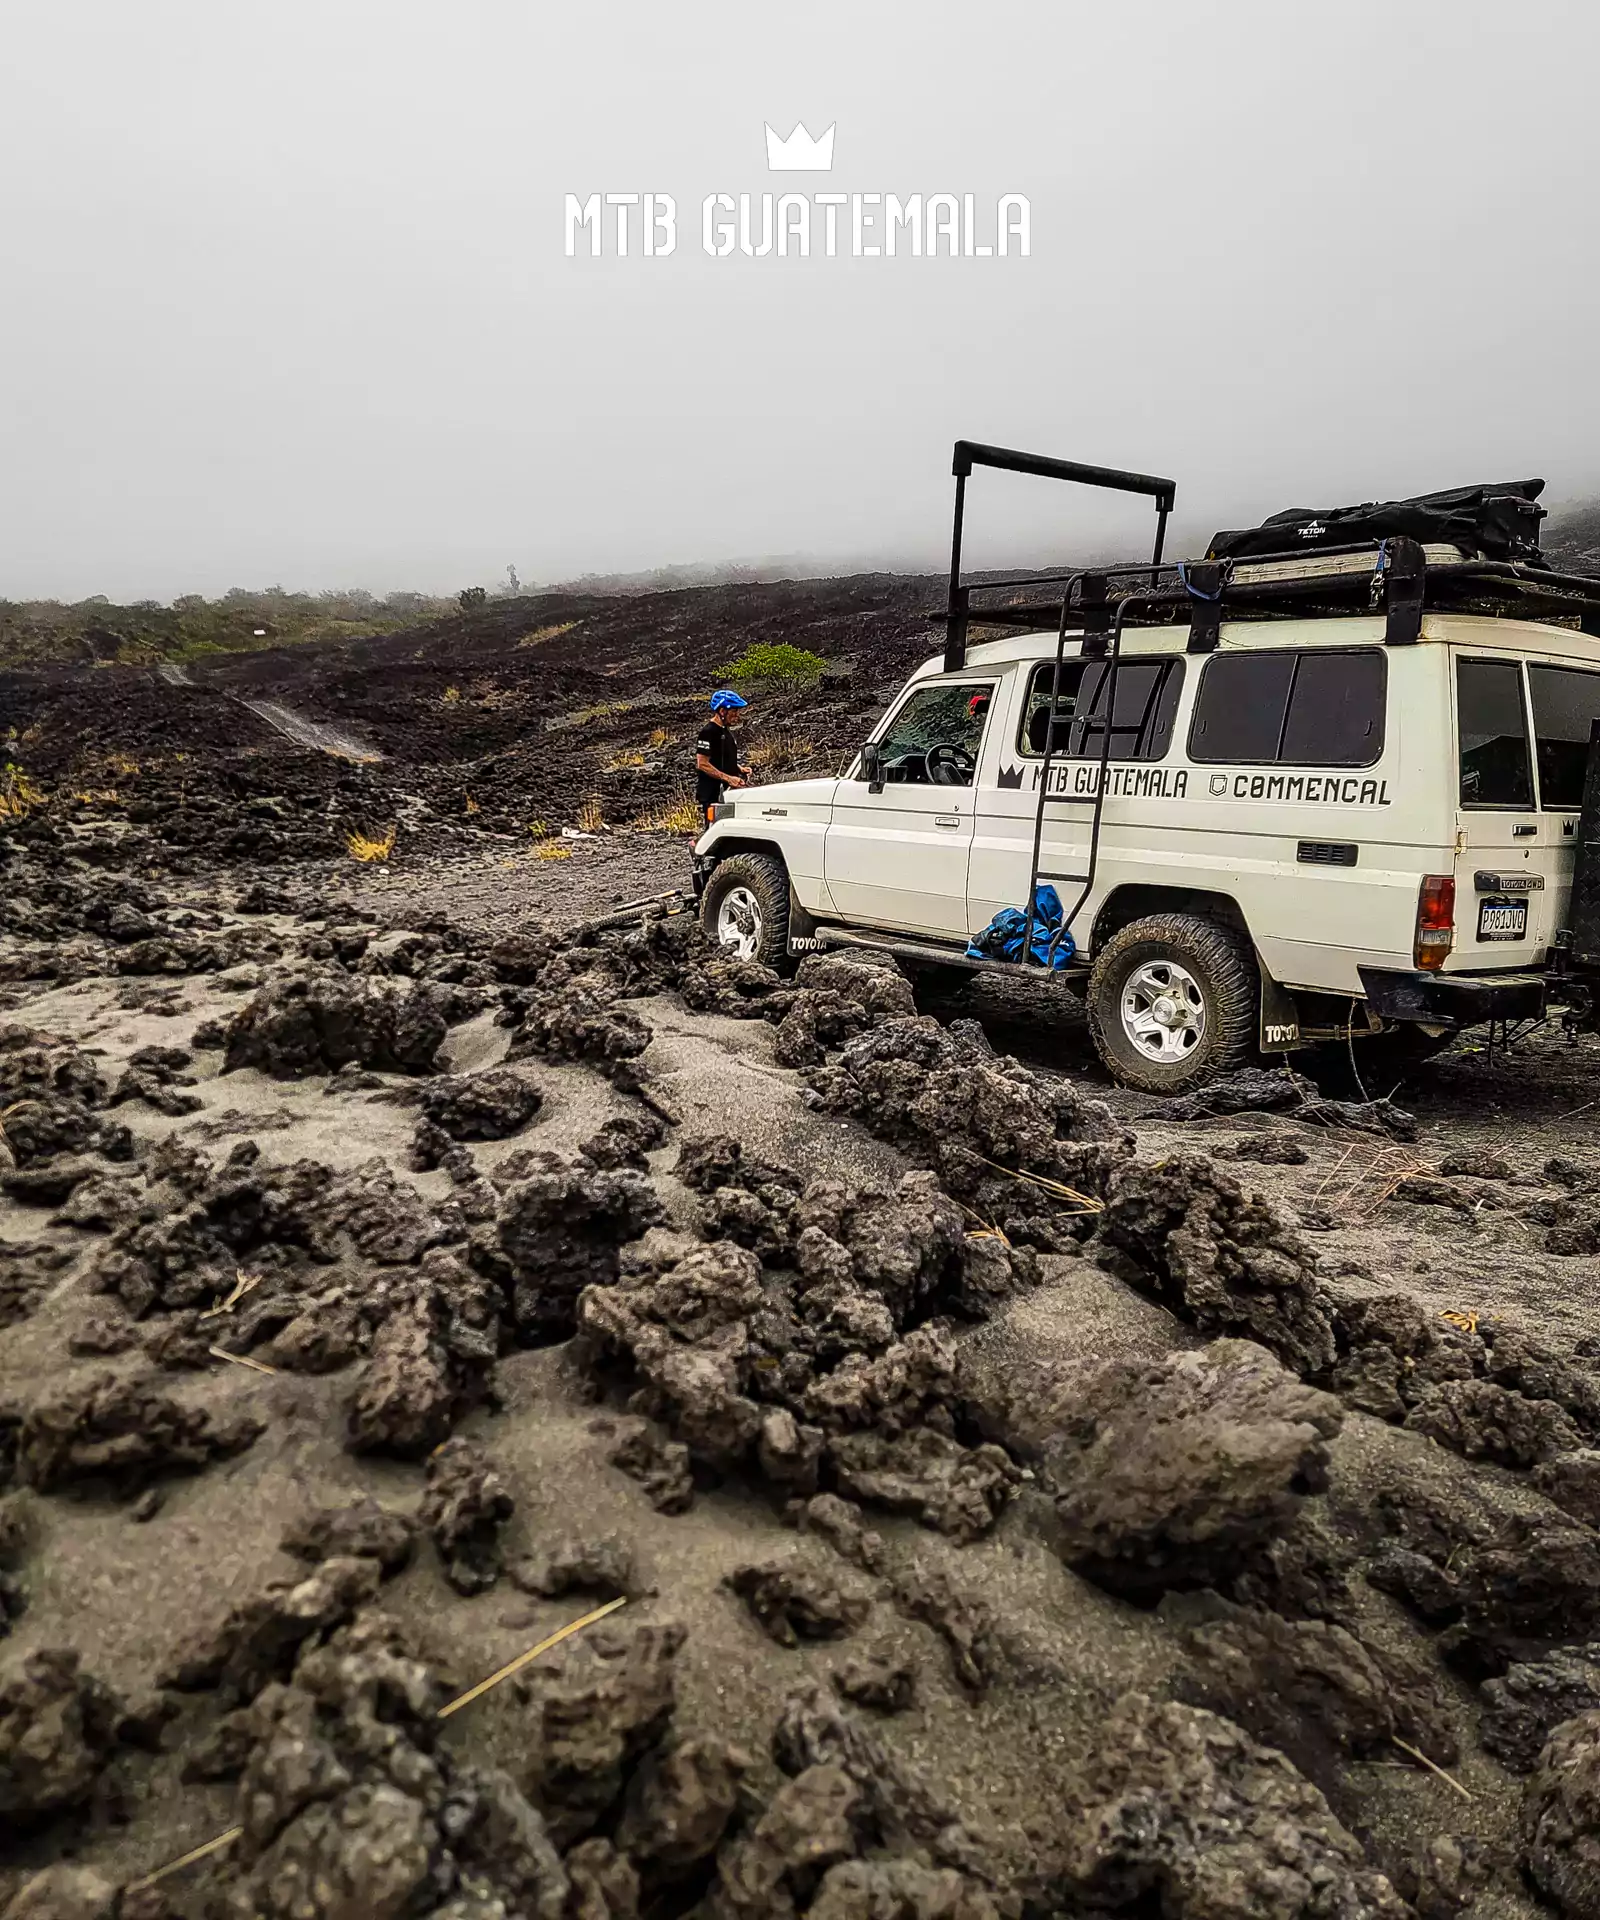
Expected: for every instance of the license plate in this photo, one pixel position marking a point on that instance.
(1503, 920)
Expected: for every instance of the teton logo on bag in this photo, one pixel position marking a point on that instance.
(1312, 530)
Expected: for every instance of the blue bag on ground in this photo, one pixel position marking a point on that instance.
(1002, 938)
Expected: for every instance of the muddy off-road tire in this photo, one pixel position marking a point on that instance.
(745, 907)
(1173, 1002)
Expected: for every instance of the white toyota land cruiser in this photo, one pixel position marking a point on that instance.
(1328, 783)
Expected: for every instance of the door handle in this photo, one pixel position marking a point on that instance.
(947, 820)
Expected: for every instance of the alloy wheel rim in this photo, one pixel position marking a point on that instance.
(739, 922)
(1163, 1012)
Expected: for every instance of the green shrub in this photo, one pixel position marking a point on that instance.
(775, 662)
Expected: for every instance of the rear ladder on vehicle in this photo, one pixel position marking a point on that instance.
(1099, 631)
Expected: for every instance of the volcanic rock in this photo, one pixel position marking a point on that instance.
(679, 1804)
(1315, 1691)
(792, 1602)
(880, 1681)
(568, 1564)
(1179, 1811)
(430, 1363)
(1561, 1819)
(481, 1106)
(1524, 1705)
(58, 1728)
(260, 1636)
(1165, 1472)
(1572, 1481)
(596, 1714)
(318, 1019)
(464, 1506)
(1184, 1232)
(121, 1434)
(361, 1530)
(560, 1229)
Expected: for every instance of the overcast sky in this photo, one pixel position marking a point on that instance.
(286, 296)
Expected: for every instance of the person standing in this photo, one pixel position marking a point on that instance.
(717, 764)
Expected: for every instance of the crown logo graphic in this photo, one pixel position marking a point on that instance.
(1010, 777)
(799, 153)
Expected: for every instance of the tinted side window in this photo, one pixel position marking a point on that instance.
(1336, 709)
(1566, 702)
(1238, 712)
(1313, 709)
(1141, 722)
(1495, 771)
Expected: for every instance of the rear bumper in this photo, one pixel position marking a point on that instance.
(1454, 999)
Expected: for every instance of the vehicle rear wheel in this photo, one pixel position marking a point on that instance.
(1173, 1002)
(745, 907)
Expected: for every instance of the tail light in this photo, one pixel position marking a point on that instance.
(1436, 920)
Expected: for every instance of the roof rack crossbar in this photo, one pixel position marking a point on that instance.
(971, 453)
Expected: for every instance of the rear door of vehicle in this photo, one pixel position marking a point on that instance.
(1513, 856)
(1564, 703)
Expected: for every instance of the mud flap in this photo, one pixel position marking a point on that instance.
(1280, 1018)
(802, 929)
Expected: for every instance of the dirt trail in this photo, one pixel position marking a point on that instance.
(319, 735)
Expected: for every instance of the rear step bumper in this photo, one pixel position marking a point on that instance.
(1454, 999)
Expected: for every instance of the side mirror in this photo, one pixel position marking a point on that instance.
(872, 766)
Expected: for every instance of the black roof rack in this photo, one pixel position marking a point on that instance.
(1401, 580)
(1398, 576)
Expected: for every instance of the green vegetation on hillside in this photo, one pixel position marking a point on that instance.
(774, 662)
(41, 632)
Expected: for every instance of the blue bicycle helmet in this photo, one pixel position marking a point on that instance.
(725, 698)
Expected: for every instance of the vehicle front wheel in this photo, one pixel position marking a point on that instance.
(1173, 1002)
(745, 907)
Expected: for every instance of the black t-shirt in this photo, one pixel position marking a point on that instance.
(718, 745)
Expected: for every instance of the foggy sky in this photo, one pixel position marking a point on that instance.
(285, 298)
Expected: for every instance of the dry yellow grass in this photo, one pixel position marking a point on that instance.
(363, 847)
(781, 753)
(602, 710)
(541, 634)
(661, 737)
(553, 850)
(120, 763)
(629, 757)
(471, 806)
(591, 819)
(451, 695)
(18, 794)
(679, 815)
(539, 829)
